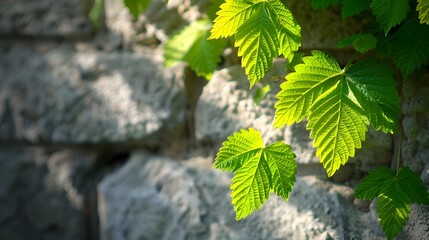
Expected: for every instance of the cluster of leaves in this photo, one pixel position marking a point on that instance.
(338, 103)
(395, 194)
(397, 32)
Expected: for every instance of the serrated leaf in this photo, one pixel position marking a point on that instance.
(361, 42)
(289, 31)
(232, 15)
(353, 7)
(423, 9)
(393, 207)
(374, 90)
(258, 169)
(395, 193)
(283, 167)
(262, 29)
(136, 7)
(192, 46)
(370, 187)
(316, 75)
(250, 186)
(257, 44)
(413, 185)
(410, 46)
(323, 3)
(336, 127)
(214, 7)
(237, 149)
(389, 13)
(338, 104)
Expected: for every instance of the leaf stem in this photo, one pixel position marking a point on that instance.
(399, 144)
(349, 63)
(267, 136)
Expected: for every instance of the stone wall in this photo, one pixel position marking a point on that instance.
(99, 141)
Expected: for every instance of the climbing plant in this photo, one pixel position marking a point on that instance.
(339, 103)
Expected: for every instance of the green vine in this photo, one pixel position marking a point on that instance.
(340, 104)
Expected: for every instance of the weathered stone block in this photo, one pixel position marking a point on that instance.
(153, 197)
(45, 18)
(60, 95)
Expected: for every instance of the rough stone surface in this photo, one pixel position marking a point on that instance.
(45, 18)
(42, 199)
(415, 146)
(226, 105)
(157, 198)
(415, 108)
(58, 95)
(418, 224)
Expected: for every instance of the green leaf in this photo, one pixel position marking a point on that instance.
(232, 15)
(389, 13)
(393, 207)
(136, 7)
(214, 7)
(289, 31)
(251, 186)
(353, 7)
(361, 42)
(262, 29)
(260, 94)
(338, 104)
(423, 9)
(371, 186)
(257, 44)
(258, 169)
(238, 148)
(323, 3)
(395, 194)
(410, 46)
(283, 167)
(336, 126)
(95, 13)
(374, 90)
(192, 46)
(312, 78)
(204, 55)
(413, 186)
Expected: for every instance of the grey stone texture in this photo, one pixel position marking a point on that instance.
(45, 18)
(63, 96)
(141, 201)
(43, 197)
(415, 108)
(415, 145)
(60, 86)
(226, 105)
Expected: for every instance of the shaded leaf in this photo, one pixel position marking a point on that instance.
(361, 42)
(136, 7)
(389, 13)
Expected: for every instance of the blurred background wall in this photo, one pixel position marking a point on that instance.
(99, 141)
